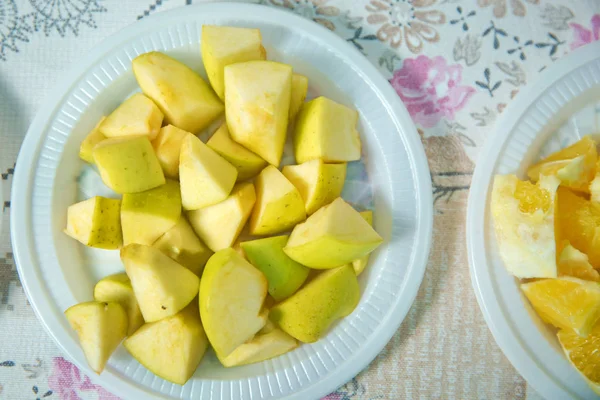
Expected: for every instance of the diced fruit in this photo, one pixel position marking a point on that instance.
(567, 303)
(595, 185)
(206, 177)
(575, 165)
(257, 99)
(335, 235)
(232, 293)
(299, 91)
(326, 130)
(101, 327)
(167, 146)
(95, 222)
(279, 205)
(284, 275)
(584, 354)
(146, 216)
(523, 215)
(182, 245)
(308, 313)
(91, 140)
(128, 164)
(360, 264)
(262, 347)
(318, 183)
(185, 99)
(247, 163)
(138, 115)
(579, 223)
(225, 45)
(220, 224)
(162, 286)
(171, 348)
(117, 288)
(574, 263)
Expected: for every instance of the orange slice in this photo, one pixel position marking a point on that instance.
(584, 354)
(574, 263)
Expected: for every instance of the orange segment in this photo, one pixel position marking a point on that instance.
(574, 165)
(532, 197)
(584, 354)
(567, 303)
(579, 223)
(574, 263)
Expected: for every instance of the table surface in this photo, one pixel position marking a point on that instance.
(465, 59)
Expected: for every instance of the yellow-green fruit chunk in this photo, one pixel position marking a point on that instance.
(318, 183)
(232, 293)
(257, 100)
(182, 245)
(219, 225)
(118, 288)
(279, 205)
(185, 99)
(162, 287)
(138, 115)
(360, 264)
(95, 222)
(90, 141)
(167, 146)
(171, 348)
(284, 275)
(206, 177)
(128, 164)
(146, 216)
(326, 130)
(308, 313)
(299, 91)
(225, 45)
(335, 235)
(100, 327)
(247, 163)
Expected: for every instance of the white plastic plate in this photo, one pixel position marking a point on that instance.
(58, 272)
(560, 108)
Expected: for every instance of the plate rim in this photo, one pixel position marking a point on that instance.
(481, 280)
(20, 217)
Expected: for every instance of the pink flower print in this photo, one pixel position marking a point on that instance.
(68, 382)
(584, 36)
(431, 89)
(333, 396)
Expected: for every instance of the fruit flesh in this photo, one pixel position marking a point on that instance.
(117, 288)
(167, 146)
(360, 264)
(138, 115)
(584, 354)
(86, 150)
(574, 263)
(95, 222)
(298, 94)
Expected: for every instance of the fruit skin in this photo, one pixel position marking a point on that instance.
(162, 287)
(206, 177)
(335, 235)
(232, 293)
(524, 221)
(257, 99)
(326, 130)
(171, 348)
(279, 205)
(268, 343)
(224, 45)
(583, 354)
(318, 183)
(284, 275)
(185, 99)
(167, 147)
(567, 303)
(247, 163)
(128, 164)
(360, 264)
(298, 95)
(91, 140)
(182, 245)
(95, 222)
(117, 288)
(219, 225)
(138, 115)
(308, 313)
(101, 326)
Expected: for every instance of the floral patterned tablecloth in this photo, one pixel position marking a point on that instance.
(455, 64)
